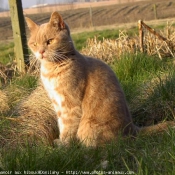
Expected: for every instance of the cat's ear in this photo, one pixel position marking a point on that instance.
(32, 25)
(57, 21)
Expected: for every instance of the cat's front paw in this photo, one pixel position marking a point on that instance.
(66, 143)
(57, 143)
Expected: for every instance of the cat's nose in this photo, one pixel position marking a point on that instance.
(41, 51)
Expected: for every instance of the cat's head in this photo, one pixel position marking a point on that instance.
(50, 41)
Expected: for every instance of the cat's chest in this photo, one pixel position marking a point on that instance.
(52, 87)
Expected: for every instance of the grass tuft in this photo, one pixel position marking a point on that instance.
(6, 53)
(144, 155)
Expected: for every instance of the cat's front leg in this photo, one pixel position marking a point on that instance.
(68, 127)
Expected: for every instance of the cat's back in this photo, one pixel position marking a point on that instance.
(101, 75)
(102, 84)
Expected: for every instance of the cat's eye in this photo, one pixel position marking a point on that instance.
(50, 41)
(35, 44)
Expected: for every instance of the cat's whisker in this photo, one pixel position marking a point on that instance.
(60, 58)
(56, 56)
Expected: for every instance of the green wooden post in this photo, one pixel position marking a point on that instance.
(19, 34)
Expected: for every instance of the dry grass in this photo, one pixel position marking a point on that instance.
(38, 115)
(34, 67)
(155, 46)
(6, 72)
(30, 116)
(34, 121)
(4, 102)
(110, 49)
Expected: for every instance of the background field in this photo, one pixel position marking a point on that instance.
(112, 16)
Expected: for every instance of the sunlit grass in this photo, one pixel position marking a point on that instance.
(144, 155)
(6, 53)
(80, 38)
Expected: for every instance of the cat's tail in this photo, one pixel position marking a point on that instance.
(161, 127)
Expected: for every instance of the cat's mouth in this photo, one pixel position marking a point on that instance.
(40, 56)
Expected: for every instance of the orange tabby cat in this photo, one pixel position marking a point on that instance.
(84, 91)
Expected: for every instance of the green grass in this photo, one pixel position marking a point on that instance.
(142, 156)
(6, 53)
(149, 85)
(81, 38)
(19, 88)
(26, 81)
(133, 70)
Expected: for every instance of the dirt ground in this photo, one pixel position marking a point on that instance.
(97, 15)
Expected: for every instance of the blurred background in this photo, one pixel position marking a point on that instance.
(82, 15)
